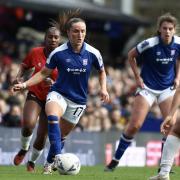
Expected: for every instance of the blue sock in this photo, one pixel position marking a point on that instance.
(51, 155)
(124, 143)
(54, 134)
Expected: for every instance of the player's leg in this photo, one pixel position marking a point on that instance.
(165, 101)
(39, 142)
(66, 128)
(171, 147)
(55, 108)
(30, 114)
(69, 120)
(139, 112)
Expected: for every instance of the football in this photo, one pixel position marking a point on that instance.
(68, 164)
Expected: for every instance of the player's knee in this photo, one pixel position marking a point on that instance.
(29, 125)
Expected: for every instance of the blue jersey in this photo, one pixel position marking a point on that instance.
(158, 62)
(74, 70)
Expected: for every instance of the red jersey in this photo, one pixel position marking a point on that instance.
(36, 59)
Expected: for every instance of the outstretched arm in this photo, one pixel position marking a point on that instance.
(37, 78)
(20, 74)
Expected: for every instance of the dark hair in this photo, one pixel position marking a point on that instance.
(66, 20)
(166, 17)
(53, 25)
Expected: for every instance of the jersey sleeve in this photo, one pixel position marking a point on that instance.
(51, 61)
(54, 74)
(142, 46)
(177, 41)
(98, 61)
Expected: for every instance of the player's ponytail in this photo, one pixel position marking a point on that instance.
(67, 19)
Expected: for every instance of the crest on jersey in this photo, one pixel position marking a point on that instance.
(85, 61)
(172, 52)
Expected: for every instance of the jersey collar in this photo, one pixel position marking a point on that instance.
(161, 42)
(82, 49)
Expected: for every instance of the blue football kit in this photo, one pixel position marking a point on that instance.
(159, 62)
(74, 70)
(158, 72)
(72, 83)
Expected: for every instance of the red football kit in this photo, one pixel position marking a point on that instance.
(36, 59)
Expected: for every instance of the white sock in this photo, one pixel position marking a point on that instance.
(25, 142)
(170, 149)
(35, 155)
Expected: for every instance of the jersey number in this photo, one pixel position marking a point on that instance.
(78, 111)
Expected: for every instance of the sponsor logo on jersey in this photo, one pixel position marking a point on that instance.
(76, 70)
(164, 60)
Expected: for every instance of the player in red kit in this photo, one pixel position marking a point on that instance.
(34, 107)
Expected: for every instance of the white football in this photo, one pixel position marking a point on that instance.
(68, 164)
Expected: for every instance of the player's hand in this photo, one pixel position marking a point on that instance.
(104, 96)
(19, 87)
(139, 82)
(17, 81)
(166, 125)
(176, 83)
(48, 81)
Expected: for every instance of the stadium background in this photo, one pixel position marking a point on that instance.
(113, 26)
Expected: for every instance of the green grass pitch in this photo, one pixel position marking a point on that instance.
(86, 173)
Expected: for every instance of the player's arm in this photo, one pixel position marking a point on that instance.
(102, 80)
(132, 54)
(175, 103)
(37, 78)
(26, 65)
(20, 74)
(168, 122)
(177, 78)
